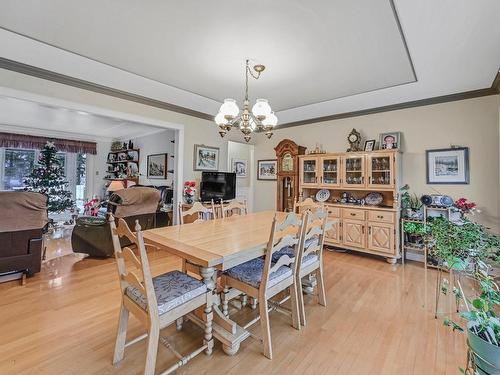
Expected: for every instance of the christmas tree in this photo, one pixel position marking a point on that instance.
(48, 178)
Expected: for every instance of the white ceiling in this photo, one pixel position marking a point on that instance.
(323, 57)
(34, 117)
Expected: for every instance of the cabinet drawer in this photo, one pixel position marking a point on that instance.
(333, 211)
(353, 213)
(381, 216)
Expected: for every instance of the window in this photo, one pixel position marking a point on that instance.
(17, 165)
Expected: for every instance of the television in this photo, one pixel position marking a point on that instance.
(217, 186)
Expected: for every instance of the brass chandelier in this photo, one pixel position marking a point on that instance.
(259, 119)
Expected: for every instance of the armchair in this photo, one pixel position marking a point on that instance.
(92, 235)
(23, 216)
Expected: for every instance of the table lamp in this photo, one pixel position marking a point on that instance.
(115, 186)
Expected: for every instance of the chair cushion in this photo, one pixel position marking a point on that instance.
(172, 289)
(288, 250)
(251, 273)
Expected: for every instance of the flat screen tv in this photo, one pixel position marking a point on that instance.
(217, 186)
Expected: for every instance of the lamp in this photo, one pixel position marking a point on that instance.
(259, 119)
(115, 186)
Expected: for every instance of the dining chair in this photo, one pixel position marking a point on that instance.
(200, 214)
(198, 211)
(157, 302)
(262, 279)
(310, 256)
(306, 205)
(234, 208)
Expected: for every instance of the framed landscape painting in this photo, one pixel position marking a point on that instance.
(157, 166)
(267, 169)
(448, 166)
(206, 158)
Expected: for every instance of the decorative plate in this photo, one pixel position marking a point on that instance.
(374, 199)
(322, 195)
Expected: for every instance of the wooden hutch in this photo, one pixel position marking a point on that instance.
(370, 229)
(287, 152)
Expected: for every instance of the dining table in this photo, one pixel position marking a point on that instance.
(214, 246)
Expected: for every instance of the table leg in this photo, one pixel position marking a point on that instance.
(224, 329)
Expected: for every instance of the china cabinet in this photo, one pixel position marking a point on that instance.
(350, 177)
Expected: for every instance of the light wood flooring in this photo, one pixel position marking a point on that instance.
(379, 320)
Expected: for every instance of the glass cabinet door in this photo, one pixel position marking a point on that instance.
(309, 171)
(330, 170)
(381, 170)
(354, 171)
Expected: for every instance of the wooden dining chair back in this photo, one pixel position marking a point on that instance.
(310, 256)
(196, 213)
(156, 302)
(233, 208)
(263, 279)
(306, 205)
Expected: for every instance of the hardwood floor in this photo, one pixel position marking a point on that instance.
(379, 320)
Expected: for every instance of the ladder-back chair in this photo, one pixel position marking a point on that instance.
(198, 211)
(306, 205)
(234, 208)
(262, 279)
(157, 302)
(311, 257)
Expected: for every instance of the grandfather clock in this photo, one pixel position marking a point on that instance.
(287, 153)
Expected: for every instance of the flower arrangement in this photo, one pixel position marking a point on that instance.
(189, 191)
(465, 206)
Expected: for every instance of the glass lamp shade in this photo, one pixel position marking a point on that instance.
(229, 108)
(261, 109)
(270, 120)
(220, 119)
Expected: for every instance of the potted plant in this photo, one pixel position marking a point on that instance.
(410, 204)
(415, 232)
(468, 247)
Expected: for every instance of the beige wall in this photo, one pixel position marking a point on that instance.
(473, 123)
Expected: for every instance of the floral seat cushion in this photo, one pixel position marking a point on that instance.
(289, 249)
(251, 273)
(172, 289)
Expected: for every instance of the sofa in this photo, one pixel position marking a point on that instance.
(23, 219)
(92, 236)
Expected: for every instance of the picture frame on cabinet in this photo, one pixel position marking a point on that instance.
(448, 166)
(389, 141)
(370, 145)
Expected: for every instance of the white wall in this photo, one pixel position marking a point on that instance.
(157, 143)
(244, 185)
(196, 131)
(473, 123)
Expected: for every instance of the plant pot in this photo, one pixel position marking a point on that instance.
(487, 351)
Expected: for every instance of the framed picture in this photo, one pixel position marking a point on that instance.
(267, 169)
(370, 145)
(448, 166)
(206, 158)
(239, 166)
(157, 166)
(390, 140)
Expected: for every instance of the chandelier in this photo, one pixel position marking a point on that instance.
(259, 119)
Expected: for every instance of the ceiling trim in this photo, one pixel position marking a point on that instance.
(493, 90)
(101, 89)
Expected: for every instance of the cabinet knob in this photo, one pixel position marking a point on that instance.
(353, 214)
(380, 216)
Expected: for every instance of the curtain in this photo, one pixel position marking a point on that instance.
(33, 142)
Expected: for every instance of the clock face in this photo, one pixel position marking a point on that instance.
(353, 138)
(287, 163)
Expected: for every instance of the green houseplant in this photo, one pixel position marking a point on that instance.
(410, 203)
(468, 247)
(415, 232)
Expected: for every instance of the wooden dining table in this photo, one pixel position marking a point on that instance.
(218, 245)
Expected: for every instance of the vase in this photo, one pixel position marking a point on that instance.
(486, 355)
(189, 200)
